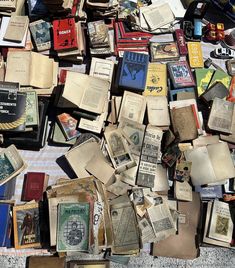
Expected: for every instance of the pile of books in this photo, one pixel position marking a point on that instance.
(149, 133)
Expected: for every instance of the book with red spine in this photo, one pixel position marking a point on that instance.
(65, 34)
(35, 184)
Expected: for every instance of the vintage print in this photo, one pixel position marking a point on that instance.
(138, 196)
(164, 51)
(41, 34)
(26, 226)
(68, 125)
(222, 225)
(182, 170)
(73, 227)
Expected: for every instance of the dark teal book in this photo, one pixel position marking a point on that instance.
(134, 68)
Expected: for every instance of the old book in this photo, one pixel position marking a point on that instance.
(217, 90)
(40, 31)
(26, 226)
(180, 74)
(184, 123)
(161, 220)
(84, 152)
(210, 192)
(64, 34)
(8, 4)
(7, 190)
(156, 81)
(32, 114)
(118, 150)
(184, 244)
(73, 227)
(221, 224)
(157, 110)
(4, 25)
(16, 29)
(57, 136)
(134, 68)
(221, 116)
(102, 68)
(203, 78)
(90, 94)
(220, 76)
(230, 137)
(195, 55)
(35, 183)
(164, 51)
(11, 163)
(46, 262)
(149, 156)
(182, 94)
(30, 68)
(5, 225)
(214, 161)
(68, 126)
(183, 191)
(98, 34)
(125, 228)
(133, 107)
(12, 110)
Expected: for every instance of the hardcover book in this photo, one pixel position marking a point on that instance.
(46, 262)
(134, 69)
(40, 31)
(73, 231)
(12, 110)
(203, 78)
(68, 125)
(164, 51)
(32, 116)
(26, 226)
(5, 210)
(35, 184)
(98, 33)
(65, 34)
(180, 74)
(217, 89)
(156, 82)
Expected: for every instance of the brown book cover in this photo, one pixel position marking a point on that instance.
(35, 184)
(46, 262)
(184, 123)
(184, 244)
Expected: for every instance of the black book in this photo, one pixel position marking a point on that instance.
(12, 110)
(32, 140)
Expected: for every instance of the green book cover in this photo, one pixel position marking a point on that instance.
(73, 227)
(220, 76)
(203, 78)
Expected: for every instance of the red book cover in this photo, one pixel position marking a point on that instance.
(34, 184)
(65, 35)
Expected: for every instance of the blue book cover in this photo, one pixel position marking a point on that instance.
(173, 92)
(210, 192)
(4, 223)
(134, 71)
(3, 191)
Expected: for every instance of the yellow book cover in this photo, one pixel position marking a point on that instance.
(156, 82)
(195, 55)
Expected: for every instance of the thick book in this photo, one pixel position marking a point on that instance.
(134, 68)
(156, 81)
(12, 110)
(180, 74)
(35, 184)
(65, 34)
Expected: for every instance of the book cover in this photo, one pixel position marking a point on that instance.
(175, 93)
(98, 34)
(180, 74)
(164, 51)
(40, 31)
(195, 55)
(134, 71)
(73, 227)
(217, 89)
(156, 81)
(203, 78)
(26, 226)
(32, 117)
(12, 110)
(68, 125)
(34, 186)
(10, 86)
(220, 76)
(65, 35)
(4, 223)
